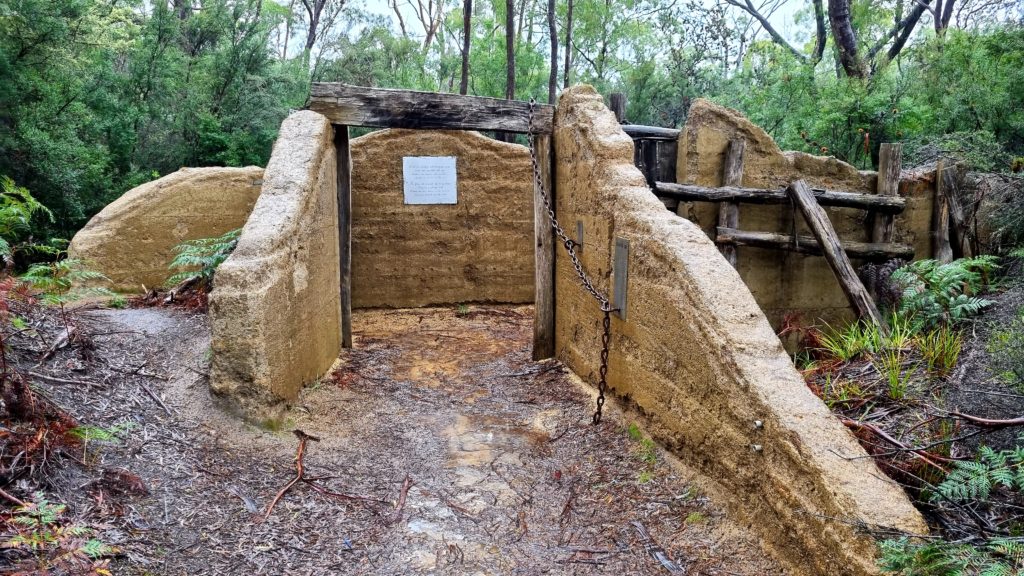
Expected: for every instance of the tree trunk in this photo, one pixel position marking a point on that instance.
(510, 49)
(467, 34)
(553, 33)
(568, 44)
(845, 38)
(820, 33)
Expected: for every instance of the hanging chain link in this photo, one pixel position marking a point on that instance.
(588, 285)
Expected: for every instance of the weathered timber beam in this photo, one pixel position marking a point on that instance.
(832, 250)
(729, 212)
(806, 244)
(690, 193)
(384, 108)
(650, 132)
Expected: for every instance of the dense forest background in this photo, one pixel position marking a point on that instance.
(97, 96)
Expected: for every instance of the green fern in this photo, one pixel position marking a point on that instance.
(200, 258)
(943, 294)
(17, 207)
(905, 557)
(976, 480)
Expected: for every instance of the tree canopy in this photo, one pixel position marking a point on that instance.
(100, 95)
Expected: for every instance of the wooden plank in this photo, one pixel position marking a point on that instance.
(384, 108)
(834, 254)
(729, 212)
(941, 250)
(808, 245)
(544, 256)
(889, 167)
(344, 171)
(691, 193)
(650, 132)
(617, 104)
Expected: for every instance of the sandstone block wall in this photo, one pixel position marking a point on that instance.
(479, 250)
(131, 241)
(697, 356)
(275, 308)
(785, 282)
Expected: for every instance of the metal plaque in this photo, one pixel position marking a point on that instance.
(429, 180)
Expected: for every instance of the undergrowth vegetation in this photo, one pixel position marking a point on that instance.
(890, 386)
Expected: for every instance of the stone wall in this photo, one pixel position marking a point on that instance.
(275, 308)
(786, 282)
(697, 356)
(131, 240)
(479, 250)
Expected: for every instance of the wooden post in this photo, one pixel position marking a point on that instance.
(941, 250)
(962, 244)
(889, 166)
(729, 212)
(833, 251)
(344, 169)
(617, 104)
(649, 159)
(544, 255)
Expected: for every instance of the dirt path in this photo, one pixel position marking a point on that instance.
(507, 474)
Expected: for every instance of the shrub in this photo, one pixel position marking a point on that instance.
(17, 207)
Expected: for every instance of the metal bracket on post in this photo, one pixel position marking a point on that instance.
(579, 236)
(620, 270)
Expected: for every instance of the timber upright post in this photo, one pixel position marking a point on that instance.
(941, 249)
(890, 159)
(544, 253)
(344, 174)
(729, 212)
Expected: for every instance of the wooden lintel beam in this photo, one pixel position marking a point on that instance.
(650, 132)
(691, 193)
(806, 244)
(385, 108)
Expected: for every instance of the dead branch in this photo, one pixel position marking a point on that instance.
(922, 455)
(400, 507)
(987, 422)
(156, 399)
(299, 471)
(12, 498)
(656, 551)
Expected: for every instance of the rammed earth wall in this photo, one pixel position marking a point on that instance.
(697, 356)
(275, 308)
(479, 250)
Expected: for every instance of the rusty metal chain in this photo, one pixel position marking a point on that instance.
(588, 285)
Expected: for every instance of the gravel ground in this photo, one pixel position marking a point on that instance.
(440, 449)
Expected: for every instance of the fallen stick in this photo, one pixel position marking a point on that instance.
(988, 423)
(656, 551)
(919, 454)
(12, 498)
(62, 380)
(156, 398)
(399, 508)
(299, 471)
